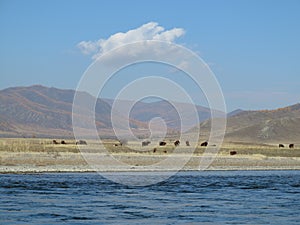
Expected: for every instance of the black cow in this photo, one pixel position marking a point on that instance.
(146, 143)
(177, 143)
(162, 143)
(281, 146)
(55, 142)
(154, 150)
(291, 146)
(204, 144)
(187, 143)
(63, 142)
(81, 142)
(232, 152)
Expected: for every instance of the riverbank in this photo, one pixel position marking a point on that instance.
(42, 155)
(74, 162)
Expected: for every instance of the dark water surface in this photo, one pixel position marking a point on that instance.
(240, 197)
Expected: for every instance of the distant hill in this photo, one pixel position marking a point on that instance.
(42, 111)
(144, 112)
(235, 112)
(263, 126)
(47, 112)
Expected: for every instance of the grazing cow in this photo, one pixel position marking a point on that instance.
(162, 143)
(146, 143)
(187, 143)
(81, 142)
(291, 146)
(63, 142)
(119, 144)
(154, 150)
(55, 142)
(232, 152)
(165, 151)
(281, 146)
(177, 143)
(204, 144)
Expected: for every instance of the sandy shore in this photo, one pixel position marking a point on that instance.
(36, 162)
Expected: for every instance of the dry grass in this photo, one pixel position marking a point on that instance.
(270, 150)
(33, 153)
(46, 145)
(35, 145)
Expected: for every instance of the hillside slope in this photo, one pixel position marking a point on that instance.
(263, 126)
(42, 111)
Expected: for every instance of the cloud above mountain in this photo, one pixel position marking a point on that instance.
(148, 31)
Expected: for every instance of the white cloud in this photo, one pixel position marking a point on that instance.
(148, 31)
(87, 47)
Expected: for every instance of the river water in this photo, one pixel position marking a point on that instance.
(199, 197)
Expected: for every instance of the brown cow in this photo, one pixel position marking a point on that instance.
(233, 152)
(291, 146)
(162, 143)
(177, 143)
(204, 144)
(146, 143)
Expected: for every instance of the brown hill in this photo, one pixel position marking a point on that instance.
(263, 126)
(145, 111)
(47, 112)
(42, 111)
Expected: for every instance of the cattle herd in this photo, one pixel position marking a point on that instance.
(161, 143)
(63, 142)
(290, 145)
(176, 143)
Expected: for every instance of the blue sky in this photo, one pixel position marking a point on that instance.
(253, 47)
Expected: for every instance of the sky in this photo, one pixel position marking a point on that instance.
(252, 47)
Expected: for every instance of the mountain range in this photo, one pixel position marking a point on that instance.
(261, 126)
(47, 112)
(281, 125)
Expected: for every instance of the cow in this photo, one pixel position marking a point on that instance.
(165, 151)
(281, 146)
(154, 150)
(204, 144)
(55, 142)
(81, 142)
(291, 146)
(177, 143)
(232, 152)
(162, 143)
(187, 143)
(63, 142)
(146, 143)
(121, 143)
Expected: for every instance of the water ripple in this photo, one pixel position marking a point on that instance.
(242, 197)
